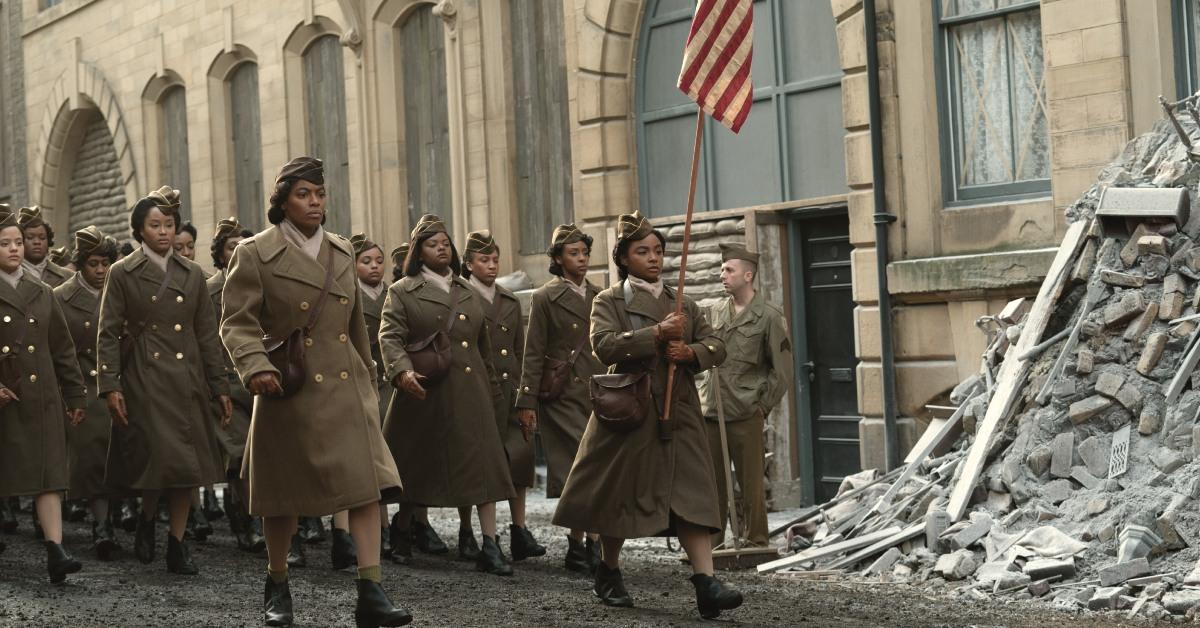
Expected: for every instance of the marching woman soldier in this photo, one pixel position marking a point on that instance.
(637, 475)
(185, 241)
(80, 299)
(481, 265)
(38, 372)
(160, 369)
(315, 445)
(247, 530)
(398, 255)
(557, 354)
(441, 423)
(39, 238)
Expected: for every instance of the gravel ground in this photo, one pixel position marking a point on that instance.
(444, 592)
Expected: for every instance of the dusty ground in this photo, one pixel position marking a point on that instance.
(444, 592)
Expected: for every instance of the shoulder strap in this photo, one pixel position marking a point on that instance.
(315, 314)
(453, 305)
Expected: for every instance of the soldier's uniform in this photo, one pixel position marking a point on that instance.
(47, 271)
(753, 380)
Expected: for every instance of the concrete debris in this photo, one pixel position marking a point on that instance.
(1120, 572)
(1106, 598)
(1081, 411)
(1043, 568)
(956, 565)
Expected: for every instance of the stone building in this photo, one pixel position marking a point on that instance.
(515, 115)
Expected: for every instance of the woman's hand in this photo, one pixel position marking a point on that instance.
(7, 396)
(76, 416)
(265, 383)
(410, 383)
(116, 408)
(226, 410)
(528, 420)
(680, 352)
(671, 327)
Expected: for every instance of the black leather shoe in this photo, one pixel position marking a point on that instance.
(127, 515)
(312, 530)
(491, 559)
(247, 531)
(8, 516)
(468, 549)
(426, 538)
(375, 609)
(401, 539)
(610, 587)
(210, 505)
(385, 543)
(277, 603)
(143, 542)
(296, 557)
(74, 510)
(577, 557)
(103, 540)
(198, 526)
(593, 554)
(179, 559)
(712, 596)
(523, 545)
(342, 553)
(59, 563)
(254, 537)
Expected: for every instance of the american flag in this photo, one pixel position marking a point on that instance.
(716, 60)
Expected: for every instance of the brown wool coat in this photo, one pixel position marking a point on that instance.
(232, 438)
(447, 447)
(55, 275)
(88, 442)
(321, 450)
(373, 315)
(33, 441)
(558, 325)
(508, 344)
(630, 485)
(174, 370)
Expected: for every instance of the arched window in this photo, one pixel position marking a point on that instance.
(173, 146)
(426, 117)
(543, 128)
(791, 146)
(325, 120)
(246, 130)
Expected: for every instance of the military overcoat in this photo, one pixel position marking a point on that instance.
(171, 374)
(372, 314)
(55, 275)
(33, 440)
(321, 450)
(88, 442)
(446, 446)
(558, 325)
(508, 344)
(634, 484)
(232, 438)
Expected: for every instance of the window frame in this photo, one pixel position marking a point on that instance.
(166, 142)
(945, 68)
(252, 217)
(1187, 67)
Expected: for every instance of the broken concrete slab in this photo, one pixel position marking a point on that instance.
(1130, 396)
(1010, 580)
(1039, 460)
(1094, 452)
(1085, 409)
(884, 563)
(1062, 454)
(1041, 568)
(1106, 598)
(1149, 421)
(1171, 306)
(1084, 477)
(1057, 491)
(936, 522)
(1130, 305)
(1153, 245)
(1039, 588)
(1109, 383)
(1167, 460)
(1129, 253)
(1180, 602)
(1174, 283)
(1085, 360)
(1118, 573)
(1151, 355)
(970, 535)
(956, 565)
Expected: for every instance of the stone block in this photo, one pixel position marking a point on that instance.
(1085, 409)
(1042, 568)
(884, 563)
(1039, 460)
(1039, 588)
(1085, 362)
(1124, 280)
(1167, 460)
(1149, 421)
(972, 533)
(936, 522)
(1129, 253)
(1062, 454)
(1131, 304)
(1180, 602)
(1084, 477)
(956, 565)
(1106, 598)
(1153, 245)
(1138, 328)
(1171, 306)
(1118, 573)
(1109, 383)
(1057, 491)
(1130, 396)
(1174, 283)
(1152, 353)
(1094, 451)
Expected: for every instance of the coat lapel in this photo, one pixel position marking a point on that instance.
(78, 297)
(645, 305)
(570, 301)
(29, 292)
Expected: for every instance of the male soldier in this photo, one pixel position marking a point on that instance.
(753, 380)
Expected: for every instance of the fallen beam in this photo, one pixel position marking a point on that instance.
(911, 532)
(816, 510)
(829, 550)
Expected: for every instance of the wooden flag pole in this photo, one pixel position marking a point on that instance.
(664, 427)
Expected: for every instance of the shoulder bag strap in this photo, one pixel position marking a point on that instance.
(315, 314)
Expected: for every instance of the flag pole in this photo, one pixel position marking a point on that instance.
(664, 426)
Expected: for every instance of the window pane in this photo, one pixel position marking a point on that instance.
(666, 7)
(984, 126)
(810, 41)
(747, 164)
(426, 121)
(816, 143)
(325, 108)
(1031, 135)
(175, 171)
(664, 56)
(668, 163)
(247, 146)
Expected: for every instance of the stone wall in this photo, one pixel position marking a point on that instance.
(96, 194)
(12, 90)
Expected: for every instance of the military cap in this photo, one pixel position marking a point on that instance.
(228, 227)
(30, 217)
(429, 223)
(308, 169)
(166, 198)
(633, 226)
(8, 218)
(480, 242)
(361, 244)
(90, 239)
(737, 251)
(399, 253)
(565, 234)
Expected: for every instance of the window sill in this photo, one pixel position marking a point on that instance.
(48, 16)
(1014, 199)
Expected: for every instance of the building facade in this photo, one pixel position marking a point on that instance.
(515, 115)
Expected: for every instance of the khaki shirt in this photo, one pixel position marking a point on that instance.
(759, 368)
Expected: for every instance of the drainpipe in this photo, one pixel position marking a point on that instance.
(882, 219)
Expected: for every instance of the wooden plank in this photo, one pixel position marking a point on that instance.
(911, 469)
(816, 510)
(911, 532)
(829, 550)
(1013, 371)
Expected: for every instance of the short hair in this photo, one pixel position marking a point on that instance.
(622, 248)
(137, 217)
(413, 263)
(49, 232)
(470, 255)
(107, 248)
(283, 189)
(218, 246)
(189, 228)
(557, 249)
(126, 248)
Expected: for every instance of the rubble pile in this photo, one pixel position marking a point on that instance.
(1069, 470)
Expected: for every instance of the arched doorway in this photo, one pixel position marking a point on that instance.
(95, 193)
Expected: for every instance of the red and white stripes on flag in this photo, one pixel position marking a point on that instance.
(716, 60)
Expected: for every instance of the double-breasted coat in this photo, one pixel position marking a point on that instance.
(322, 449)
(171, 374)
(446, 446)
(54, 275)
(508, 344)
(634, 484)
(373, 315)
(233, 437)
(88, 444)
(558, 325)
(33, 439)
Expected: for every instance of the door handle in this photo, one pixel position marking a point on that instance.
(812, 371)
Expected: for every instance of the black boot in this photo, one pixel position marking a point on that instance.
(8, 516)
(179, 559)
(426, 538)
(577, 559)
(522, 543)
(143, 542)
(401, 540)
(593, 554)
(59, 563)
(385, 543)
(198, 526)
(375, 609)
(610, 587)
(127, 515)
(103, 539)
(255, 541)
(210, 505)
(342, 553)
(712, 596)
(312, 530)
(74, 510)
(277, 603)
(296, 557)
(491, 559)
(467, 548)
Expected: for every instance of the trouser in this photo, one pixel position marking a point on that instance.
(746, 454)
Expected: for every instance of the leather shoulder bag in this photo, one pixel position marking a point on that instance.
(431, 356)
(621, 400)
(555, 373)
(287, 354)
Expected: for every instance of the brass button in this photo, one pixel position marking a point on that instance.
(318, 378)
(8, 319)
(468, 369)
(87, 351)
(154, 327)
(344, 375)
(627, 334)
(103, 367)
(5, 349)
(33, 321)
(504, 376)
(462, 317)
(92, 373)
(465, 344)
(154, 299)
(30, 348)
(304, 306)
(342, 337)
(577, 380)
(503, 328)
(178, 327)
(33, 379)
(343, 300)
(179, 299)
(155, 355)
(504, 352)
(526, 389)
(87, 324)
(178, 356)
(712, 348)
(574, 325)
(308, 342)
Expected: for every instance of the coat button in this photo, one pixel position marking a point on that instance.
(8, 319)
(178, 327)
(103, 367)
(30, 348)
(179, 299)
(504, 352)
(577, 380)
(318, 378)
(468, 369)
(87, 324)
(308, 342)
(627, 334)
(465, 344)
(178, 356)
(87, 352)
(304, 306)
(342, 337)
(344, 375)
(712, 348)
(154, 327)
(33, 321)
(154, 299)
(504, 328)
(574, 325)
(92, 373)
(526, 389)
(504, 376)
(155, 355)
(33, 379)
(5, 349)
(343, 300)
(462, 317)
